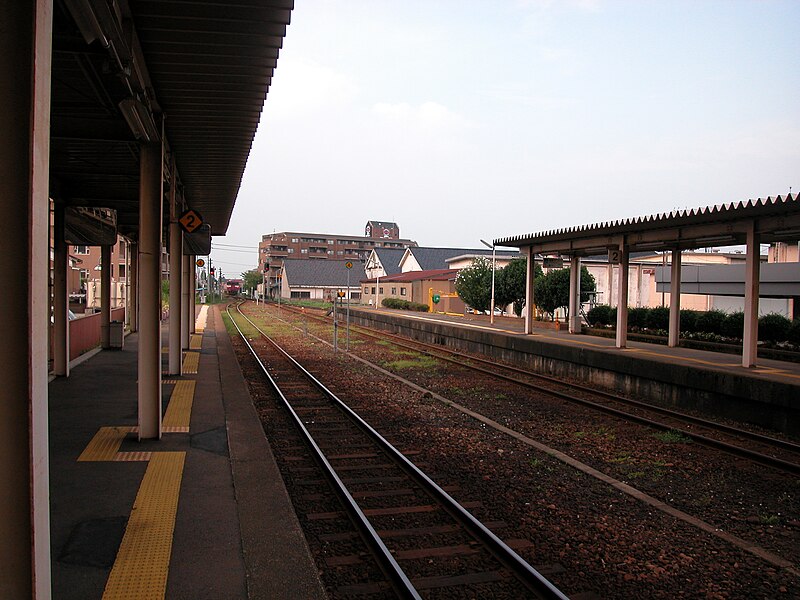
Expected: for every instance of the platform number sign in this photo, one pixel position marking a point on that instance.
(190, 220)
(200, 262)
(613, 256)
(348, 264)
(436, 298)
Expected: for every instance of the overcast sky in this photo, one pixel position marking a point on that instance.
(469, 119)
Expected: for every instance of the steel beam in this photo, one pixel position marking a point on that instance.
(149, 291)
(575, 294)
(751, 293)
(25, 75)
(675, 300)
(60, 295)
(622, 298)
(530, 273)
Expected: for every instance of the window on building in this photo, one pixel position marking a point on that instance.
(402, 291)
(123, 249)
(380, 291)
(295, 240)
(373, 290)
(394, 291)
(340, 252)
(81, 249)
(121, 271)
(290, 251)
(303, 250)
(366, 290)
(330, 241)
(355, 295)
(330, 251)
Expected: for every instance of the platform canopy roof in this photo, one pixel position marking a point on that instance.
(124, 71)
(775, 219)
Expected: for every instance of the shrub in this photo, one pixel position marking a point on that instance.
(689, 320)
(733, 326)
(599, 315)
(637, 317)
(401, 304)
(711, 321)
(773, 328)
(658, 318)
(794, 332)
(395, 303)
(612, 317)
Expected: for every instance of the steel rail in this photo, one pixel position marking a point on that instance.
(397, 577)
(757, 457)
(529, 576)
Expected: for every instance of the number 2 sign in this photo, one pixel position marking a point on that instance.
(190, 220)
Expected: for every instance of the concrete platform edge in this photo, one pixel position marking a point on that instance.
(277, 559)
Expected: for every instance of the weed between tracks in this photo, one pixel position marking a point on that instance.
(420, 362)
(672, 436)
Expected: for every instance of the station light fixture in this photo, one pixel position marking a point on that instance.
(139, 119)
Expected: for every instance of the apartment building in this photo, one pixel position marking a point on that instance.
(275, 247)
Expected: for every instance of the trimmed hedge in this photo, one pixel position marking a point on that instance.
(773, 328)
(712, 325)
(794, 333)
(404, 304)
(599, 315)
(733, 327)
(637, 317)
(657, 318)
(689, 320)
(711, 321)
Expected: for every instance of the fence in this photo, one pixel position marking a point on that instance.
(85, 332)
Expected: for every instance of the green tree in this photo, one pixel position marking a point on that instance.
(510, 284)
(552, 290)
(251, 280)
(474, 284)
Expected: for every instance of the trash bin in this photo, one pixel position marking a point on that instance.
(116, 335)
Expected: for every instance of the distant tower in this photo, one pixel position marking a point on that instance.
(382, 230)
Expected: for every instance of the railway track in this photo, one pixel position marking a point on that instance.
(422, 539)
(765, 450)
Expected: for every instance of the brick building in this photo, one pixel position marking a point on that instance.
(84, 287)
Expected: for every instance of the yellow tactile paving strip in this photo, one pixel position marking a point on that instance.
(190, 362)
(140, 571)
(132, 456)
(179, 410)
(142, 565)
(105, 444)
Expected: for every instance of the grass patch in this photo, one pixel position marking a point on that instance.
(229, 324)
(769, 519)
(600, 432)
(672, 436)
(621, 459)
(421, 362)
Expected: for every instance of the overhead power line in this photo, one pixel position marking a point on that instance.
(217, 244)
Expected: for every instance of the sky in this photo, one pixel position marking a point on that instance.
(462, 120)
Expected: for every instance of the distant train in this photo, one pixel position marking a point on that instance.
(233, 287)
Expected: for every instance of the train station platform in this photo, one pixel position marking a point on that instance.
(201, 513)
(711, 382)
